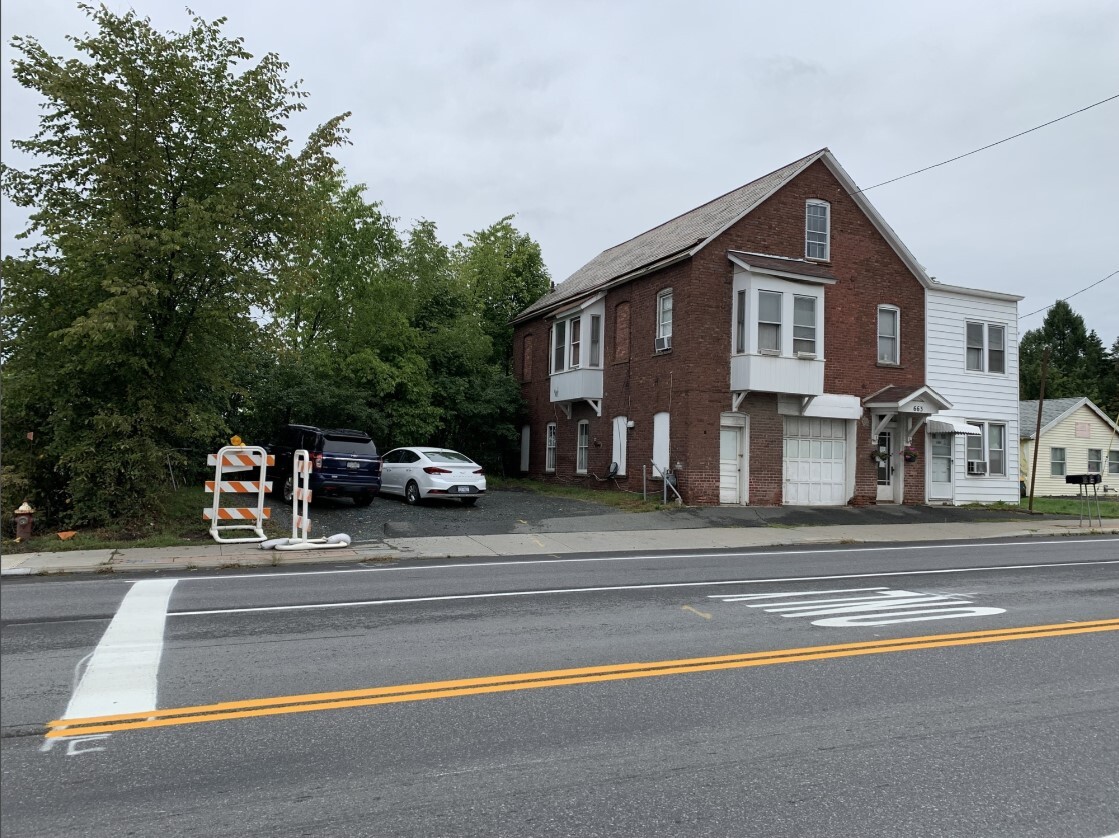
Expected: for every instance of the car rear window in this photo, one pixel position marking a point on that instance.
(349, 445)
(447, 457)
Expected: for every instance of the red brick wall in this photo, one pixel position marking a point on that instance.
(692, 381)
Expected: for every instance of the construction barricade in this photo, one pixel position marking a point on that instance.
(300, 513)
(231, 459)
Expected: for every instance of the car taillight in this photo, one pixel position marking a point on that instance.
(436, 470)
(317, 461)
(479, 471)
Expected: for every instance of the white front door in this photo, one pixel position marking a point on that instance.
(886, 465)
(940, 466)
(815, 462)
(732, 472)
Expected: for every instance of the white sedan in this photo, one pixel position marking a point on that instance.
(428, 472)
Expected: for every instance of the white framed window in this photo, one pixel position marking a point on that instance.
(740, 323)
(664, 314)
(1095, 460)
(595, 357)
(986, 347)
(550, 447)
(804, 325)
(1056, 462)
(576, 342)
(817, 230)
(889, 333)
(769, 321)
(1113, 462)
(582, 447)
(559, 346)
(986, 452)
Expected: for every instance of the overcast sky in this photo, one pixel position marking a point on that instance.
(594, 121)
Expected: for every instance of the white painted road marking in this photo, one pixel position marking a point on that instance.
(602, 588)
(122, 673)
(713, 553)
(871, 606)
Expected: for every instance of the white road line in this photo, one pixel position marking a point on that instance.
(122, 672)
(715, 553)
(651, 586)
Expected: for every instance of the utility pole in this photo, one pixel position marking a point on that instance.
(1037, 430)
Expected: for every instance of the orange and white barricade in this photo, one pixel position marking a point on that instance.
(300, 513)
(232, 459)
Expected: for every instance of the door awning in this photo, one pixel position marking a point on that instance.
(948, 425)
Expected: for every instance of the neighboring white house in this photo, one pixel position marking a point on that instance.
(1076, 438)
(971, 356)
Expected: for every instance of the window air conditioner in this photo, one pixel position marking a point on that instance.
(806, 356)
(976, 467)
(663, 344)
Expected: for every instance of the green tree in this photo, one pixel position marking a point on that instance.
(161, 203)
(1077, 362)
(506, 272)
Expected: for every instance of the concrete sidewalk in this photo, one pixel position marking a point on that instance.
(219, 556)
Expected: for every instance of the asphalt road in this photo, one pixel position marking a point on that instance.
(764, 693)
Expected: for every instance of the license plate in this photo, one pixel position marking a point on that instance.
(353, 465)
(463, 490)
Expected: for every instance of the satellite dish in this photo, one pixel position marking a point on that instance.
(613, 470)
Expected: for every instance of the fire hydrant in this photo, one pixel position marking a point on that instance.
(25, 517)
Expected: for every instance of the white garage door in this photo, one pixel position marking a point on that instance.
(815, 459)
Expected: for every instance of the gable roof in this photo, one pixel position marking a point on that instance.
(1053, 412)
(684, 236)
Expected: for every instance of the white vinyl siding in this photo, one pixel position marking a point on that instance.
(1101, 436)
(975, 396)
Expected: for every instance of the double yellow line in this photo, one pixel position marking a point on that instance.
(551, 678)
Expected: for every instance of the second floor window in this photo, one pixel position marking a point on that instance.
(664, 314)
(595, 358)
(817, 230)
(986, 347)
(769, 321)
(740, 324)
(576, 341)
(888, 327)
(804, 325)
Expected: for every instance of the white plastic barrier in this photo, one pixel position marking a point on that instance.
(300, 513)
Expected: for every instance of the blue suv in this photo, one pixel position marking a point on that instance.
(344, 462)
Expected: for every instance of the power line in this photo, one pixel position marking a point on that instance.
(992, 145)
(1070, 296)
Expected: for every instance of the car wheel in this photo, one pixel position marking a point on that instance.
(363, 500)
(412, 493)
(469, 501)
(289, 488)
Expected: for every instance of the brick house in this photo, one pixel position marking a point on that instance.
(762, 348)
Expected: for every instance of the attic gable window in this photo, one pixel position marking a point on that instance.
(817, 230)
